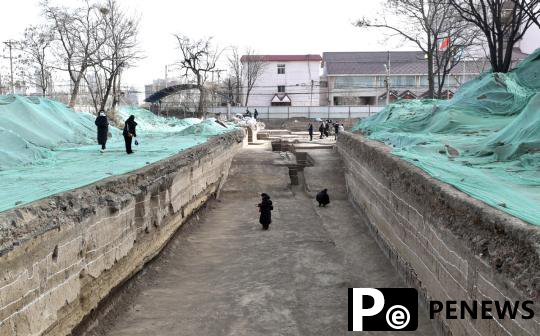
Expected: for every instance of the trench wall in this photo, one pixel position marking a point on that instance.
(446, 244)
(61, 256)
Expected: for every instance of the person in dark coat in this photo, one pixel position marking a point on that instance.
(255, 114)
(102, 129)
(321, 129)
(310, 130)
(265, 208)
(323, 198)
(336, 130)
(327, 129)
(129, 132)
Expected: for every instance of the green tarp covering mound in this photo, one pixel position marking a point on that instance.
(485, 141)
(31, 127)
(148, 121)
(46, 147)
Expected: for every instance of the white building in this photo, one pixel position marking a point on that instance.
(530, 40)
(287, 80)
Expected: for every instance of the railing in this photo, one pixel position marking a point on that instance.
(310, 112)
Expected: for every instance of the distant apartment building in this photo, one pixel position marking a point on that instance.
(286, 80)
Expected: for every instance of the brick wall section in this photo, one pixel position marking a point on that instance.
(59, 257)
(445, 243)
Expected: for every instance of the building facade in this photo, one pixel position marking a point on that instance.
(286, 80)
(359, 78)
(530, 40)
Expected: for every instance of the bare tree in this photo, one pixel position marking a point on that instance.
(35, 57)
(236, 75)
(457, 36)
(76, 31)
(117, 53)
(531, 8)
(424, 23)
(198, 58)
(503, 22)
(252, 68)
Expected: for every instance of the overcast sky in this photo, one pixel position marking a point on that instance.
(269, 27)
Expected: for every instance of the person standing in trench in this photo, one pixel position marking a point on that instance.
(327, 129)
(322, 198)
(265, 208)
(336, 130)
(129, 132)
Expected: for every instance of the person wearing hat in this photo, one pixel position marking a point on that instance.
(265, 208)
(102, 129)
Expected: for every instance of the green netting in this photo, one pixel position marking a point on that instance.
(46, 148)
(485, 141)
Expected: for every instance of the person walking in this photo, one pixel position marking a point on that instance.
(321, 129)
(327, 129)
(129, 132)
(310, 130)
(336, 130)
(265, 208)
(102, 129)
(323, 198)
(255, 114)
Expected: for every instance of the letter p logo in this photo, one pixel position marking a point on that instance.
(359, 311)
(383, 309)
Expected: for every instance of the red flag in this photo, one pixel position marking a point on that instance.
(444, 44)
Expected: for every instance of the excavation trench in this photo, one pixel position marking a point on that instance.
(222, 275)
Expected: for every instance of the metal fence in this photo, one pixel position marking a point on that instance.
(311, 112)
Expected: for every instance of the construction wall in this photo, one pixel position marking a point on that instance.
(61, 256)
(446, 244)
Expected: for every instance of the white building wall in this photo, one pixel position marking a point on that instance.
(531, 40)
(296, 79)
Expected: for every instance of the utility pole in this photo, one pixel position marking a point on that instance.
(166, 73)
(216, 86)
(387, 66)
(311, 94)
(10, 44)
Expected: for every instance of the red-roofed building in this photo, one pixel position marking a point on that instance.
(286, 80)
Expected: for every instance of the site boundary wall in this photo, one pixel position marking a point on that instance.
(310, 112)
(61, 256)
(444, 243)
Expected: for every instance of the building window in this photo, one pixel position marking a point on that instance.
(281, 69)
(355, 82)
(402, 81)
(281, 88)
